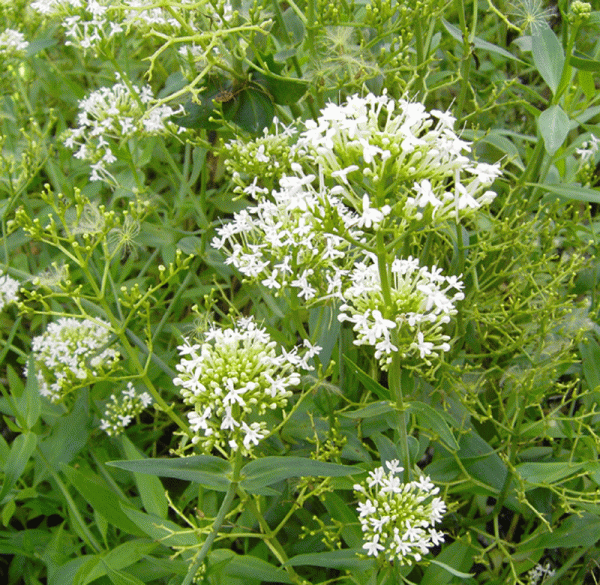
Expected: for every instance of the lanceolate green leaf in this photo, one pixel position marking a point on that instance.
(211, 472)
(269, 470)
(247, 567)
(575, 192)
(433, 421)
(20, 451)
(150, 487)
(548, 55)
(102, 499)
(367, 381)
(337, 559)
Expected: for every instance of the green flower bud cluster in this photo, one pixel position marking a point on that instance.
(268, 157)
(398, 519)
(121, 410)
(72, 353)
(580, 10)
(231, 379)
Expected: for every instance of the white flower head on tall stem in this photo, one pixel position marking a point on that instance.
(232, 378)
(422, 300)
(398, 519)
(72, 353)
(397, 142)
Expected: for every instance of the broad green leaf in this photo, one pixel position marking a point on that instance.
(433, 421)
(478, 43)
(122, 556)
(73, 572)
(248, 567)
(283, 91)
(69, 434)
(337, 559)
(548, 55)
(208, 471)
(161, 530)
(368, 382)
(150, 487)
(341, 512)
(587, 83)
(575, 192)
(269, 470)
(255, 110)
(537, 473)
(102, 499)
(553, 125)
(21, 450)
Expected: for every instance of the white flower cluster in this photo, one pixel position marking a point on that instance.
(121, 410)
(12, 43)
(9, 287)
(539, 574)
(398, 519)
(144, 14)
(416, 154)
(422, 301)
(71, 353)
(87, 24)
(231, 379)
(110, 115)
(291, 241)
(588, 149)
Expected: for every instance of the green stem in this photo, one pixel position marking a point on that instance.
(465, 66)
(395, 371)
(218, 522)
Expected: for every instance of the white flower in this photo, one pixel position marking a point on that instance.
(9, 288)
(370, 216)
(373, 547)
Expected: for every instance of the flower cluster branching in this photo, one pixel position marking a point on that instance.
(109, 117)
(121, 410)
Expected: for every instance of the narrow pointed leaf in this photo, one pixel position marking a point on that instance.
(21, 450)
(269, 470)
(208, 471)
